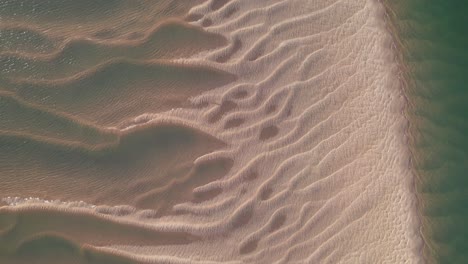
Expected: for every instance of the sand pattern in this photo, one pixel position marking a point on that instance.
(277, 136)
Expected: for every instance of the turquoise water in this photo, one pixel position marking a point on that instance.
(434, 42)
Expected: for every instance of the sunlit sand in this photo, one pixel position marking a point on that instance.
(266, 132)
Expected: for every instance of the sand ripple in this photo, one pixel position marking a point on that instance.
(293, 144)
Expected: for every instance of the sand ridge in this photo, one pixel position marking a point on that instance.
(312, 128)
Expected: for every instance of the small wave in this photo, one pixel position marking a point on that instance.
(150, 161)
(19, 116)
(165, 41)
(118, 85)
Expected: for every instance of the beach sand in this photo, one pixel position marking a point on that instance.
(239, 131)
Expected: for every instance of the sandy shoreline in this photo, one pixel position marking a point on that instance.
(405, 83)
(315, 129)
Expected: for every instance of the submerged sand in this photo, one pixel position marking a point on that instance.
(276, 136)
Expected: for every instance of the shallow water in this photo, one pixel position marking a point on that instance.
(434, 41)
(71, 72)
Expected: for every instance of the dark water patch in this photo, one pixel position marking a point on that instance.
(53, 255)
(433, 39)
(135, 35)
(149, 185)
(266, 193)
(225, 107)
(200, 197)
(122, 89)
(193, 17)
(251, 176)
(217, 4)
(7, 223)
(236, 46)
(24, 40)
(50, 235)
(55, 226)
(59, 9)
(46, 244)
(271, 109)
(69, 18)
(105, 34)
(8, 139)
(168, 40)
(256, 53)
(179, 188)
(207, 22)
(18, 116)
(230, 11)
(242, 218)
(240, 94)
(150, 154)
(268, 132)
(232, 123)
(248, 247)
(277, 222)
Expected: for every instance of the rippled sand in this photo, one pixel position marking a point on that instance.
(203, 132)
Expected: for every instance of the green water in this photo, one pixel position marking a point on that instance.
(434, 42)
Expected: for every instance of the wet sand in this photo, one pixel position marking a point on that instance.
(203, 132)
